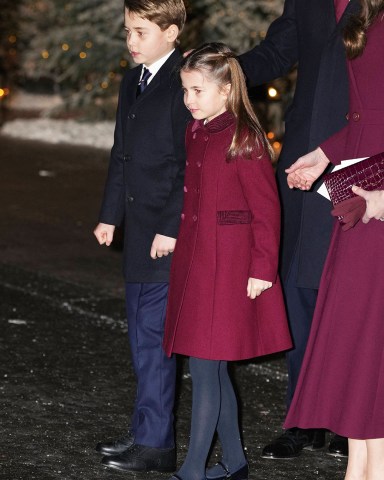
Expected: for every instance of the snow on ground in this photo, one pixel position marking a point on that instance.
(98, 134)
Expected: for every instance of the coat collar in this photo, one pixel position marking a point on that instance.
(216, 125)
(167, 73)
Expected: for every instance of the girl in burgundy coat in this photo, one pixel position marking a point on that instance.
(225, 301)
(341, 384)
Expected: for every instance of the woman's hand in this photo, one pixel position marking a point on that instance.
(307, 169)
(375, 203)
(256, 287)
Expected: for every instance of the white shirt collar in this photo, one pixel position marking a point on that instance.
(155, 67)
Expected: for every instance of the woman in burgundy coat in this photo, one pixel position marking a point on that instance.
(341, 384)
(225, 301)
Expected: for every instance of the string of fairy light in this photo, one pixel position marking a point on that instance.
(84, 54)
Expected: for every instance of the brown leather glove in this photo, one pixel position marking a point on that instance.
(349, 212)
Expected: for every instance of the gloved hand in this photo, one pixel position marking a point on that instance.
(350, 211)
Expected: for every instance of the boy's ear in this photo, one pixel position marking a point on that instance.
(172, 33)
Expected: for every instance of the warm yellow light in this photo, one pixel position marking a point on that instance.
(272, 92)
(270, 135)
(82, 55)
(88, 44)
(88, 87)
(45, 54)
(12, 38)
(104, 85)
(65, 47)
(123, 63)
(2, 93)
(276, 145)
(111, 74)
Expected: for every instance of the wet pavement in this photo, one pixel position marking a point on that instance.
(67, 382)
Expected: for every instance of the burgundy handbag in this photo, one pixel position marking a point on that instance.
(367, 174)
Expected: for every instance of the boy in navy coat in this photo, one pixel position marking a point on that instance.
(144, 190)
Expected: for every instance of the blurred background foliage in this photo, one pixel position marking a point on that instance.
(76, 49)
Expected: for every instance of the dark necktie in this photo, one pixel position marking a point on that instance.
(340, 6)
(144, 80)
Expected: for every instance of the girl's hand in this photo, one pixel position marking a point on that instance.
(307, 169)
(375, 203)
(256, 287)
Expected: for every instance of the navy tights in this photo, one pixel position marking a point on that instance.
(214, 407)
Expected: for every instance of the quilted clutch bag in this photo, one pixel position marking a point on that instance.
(367, 174)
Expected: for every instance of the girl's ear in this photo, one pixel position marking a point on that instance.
(226, 89)
(172, 33)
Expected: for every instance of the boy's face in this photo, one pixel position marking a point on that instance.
(146, 42)
(203, 98)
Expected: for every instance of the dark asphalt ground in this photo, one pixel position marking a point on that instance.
(67, 382)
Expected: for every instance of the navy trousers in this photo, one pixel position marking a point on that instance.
(152, 419)
(300, 303)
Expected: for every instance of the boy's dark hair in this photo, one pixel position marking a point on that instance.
(162, 12)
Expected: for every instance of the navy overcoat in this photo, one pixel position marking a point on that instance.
(307, 35)
(144, 188)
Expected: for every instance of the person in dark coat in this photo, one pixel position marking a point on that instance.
(348, 325)
(225, 301)
(308, 34)
(144, 190)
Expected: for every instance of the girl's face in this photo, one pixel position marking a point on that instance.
(203, 98)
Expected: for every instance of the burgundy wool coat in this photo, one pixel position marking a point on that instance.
(229, 232)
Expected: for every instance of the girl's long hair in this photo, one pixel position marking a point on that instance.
(218, 63)
(355, 31)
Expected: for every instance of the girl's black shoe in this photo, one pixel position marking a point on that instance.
(241, 474)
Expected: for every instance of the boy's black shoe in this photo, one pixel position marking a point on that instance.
(293, 441)
(139, 458)
(116, 447)
(338, 446)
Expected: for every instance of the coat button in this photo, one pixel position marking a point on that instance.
(347, 116)
(185, 189)
(132, 116)
(127, 158)
(130, 198)
(194, 218)
(194, 135)
(182, 216)
(197, 190)
(198, 164)
(356, 117)
(206, 138)
(187, 163)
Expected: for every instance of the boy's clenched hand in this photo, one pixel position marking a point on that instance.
(162, 246)
(104, 233)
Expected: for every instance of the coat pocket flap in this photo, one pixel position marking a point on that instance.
(234, 217)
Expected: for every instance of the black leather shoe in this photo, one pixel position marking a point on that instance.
(225, 474)
(139, 458)
(292, 441)
(116, 447)
(338, 446)
(241, 474)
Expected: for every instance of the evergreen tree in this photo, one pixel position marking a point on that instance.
(79, 44)
(9, 43)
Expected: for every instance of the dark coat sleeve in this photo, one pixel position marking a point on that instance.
(277, 54)
(169, 220)
(112, 207)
